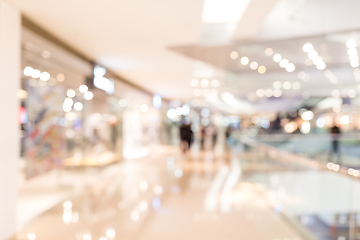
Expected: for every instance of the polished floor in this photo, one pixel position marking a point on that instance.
(169, 195)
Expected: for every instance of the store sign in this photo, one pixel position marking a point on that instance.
(106, 84)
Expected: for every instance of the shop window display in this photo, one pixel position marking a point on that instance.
(67, 121)
(98, 145)
(44, 144)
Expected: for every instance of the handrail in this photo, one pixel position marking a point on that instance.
(295, 158)
(321, 136)
(286, 156)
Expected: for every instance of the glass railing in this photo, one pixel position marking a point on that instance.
(341, 149)
(320, 199)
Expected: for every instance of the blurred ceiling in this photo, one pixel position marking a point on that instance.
(161, 45)
(241, 79)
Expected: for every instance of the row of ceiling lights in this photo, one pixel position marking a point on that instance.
(287, 85)
(205, 92)
(303, 76)
(268, 93)
(89, 95)
(353, 56)
(276, 91)
(317, 60)
(314, 56)
(43, 76)
(283, 62)
(199, 103)
(68, 103)
(331, 76)
(351, 93)
(320, 64)
(205, 83)
(245, 61)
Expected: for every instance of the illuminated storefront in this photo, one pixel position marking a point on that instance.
(77, 114)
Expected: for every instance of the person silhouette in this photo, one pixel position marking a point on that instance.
(335, 135)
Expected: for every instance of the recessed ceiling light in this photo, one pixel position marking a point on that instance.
(28, 71)
(308, 47)
(244, 61)
(260, 93)
(287, 85)
(351, 43)
(277, 93)
(234, 55)
(254, 65)
(277, 57)
(352, 51)
(262, 69)
(321, 66)
(277, 85)
(290, 67)
(313, 54)
(317, 60)
(269, 51)
(354, 63)
(283, 63)
(268, 93)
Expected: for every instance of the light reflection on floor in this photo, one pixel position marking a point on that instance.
(165, 196)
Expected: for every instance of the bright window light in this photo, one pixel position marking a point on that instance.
(99, 71)
(223, 11)
(157, 100)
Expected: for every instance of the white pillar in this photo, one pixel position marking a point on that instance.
(10, 50)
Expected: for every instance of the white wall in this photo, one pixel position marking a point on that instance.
(10, 26)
